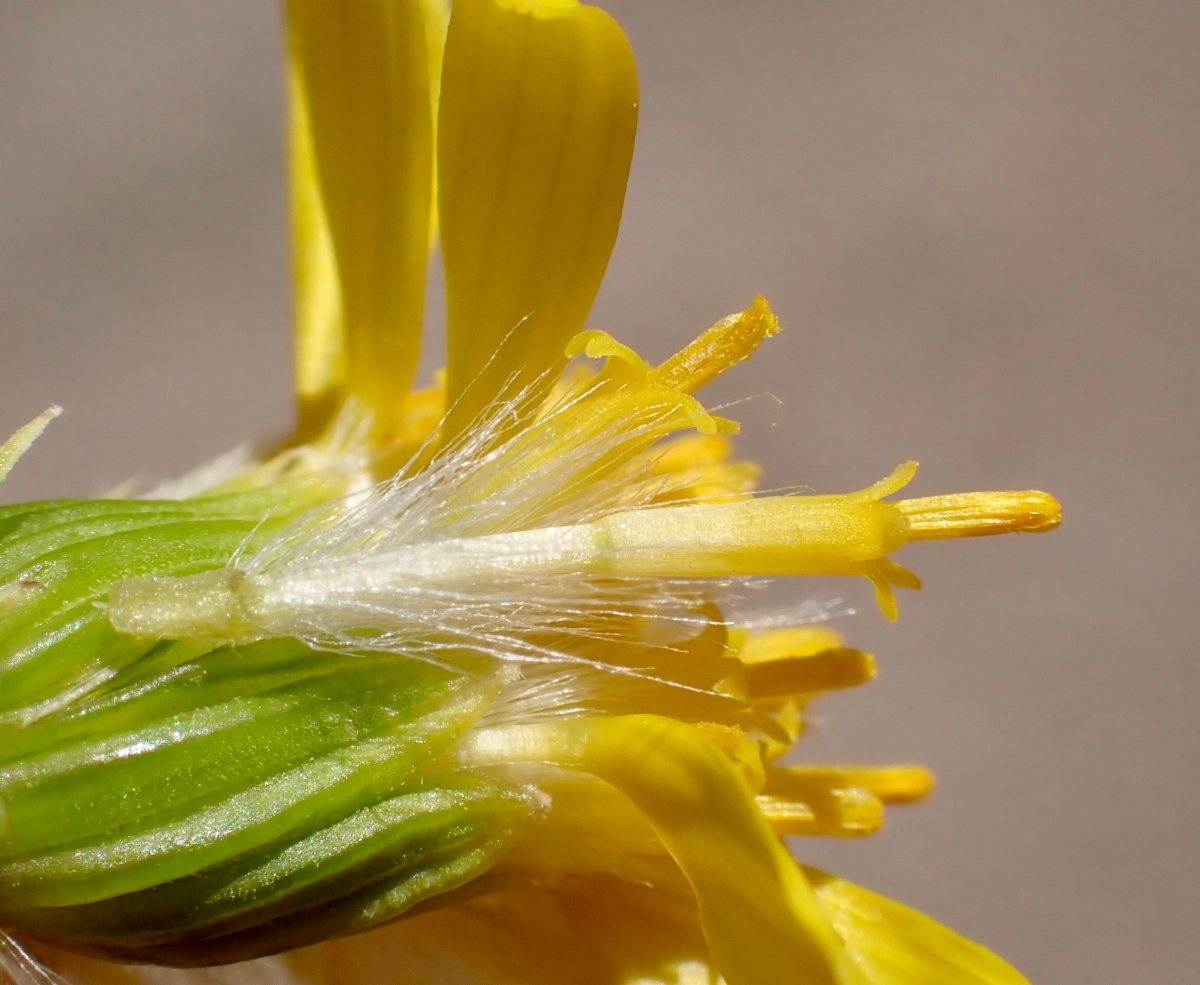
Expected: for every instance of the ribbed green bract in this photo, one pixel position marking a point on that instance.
(181, 803)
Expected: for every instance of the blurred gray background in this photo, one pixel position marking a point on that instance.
(980, 224)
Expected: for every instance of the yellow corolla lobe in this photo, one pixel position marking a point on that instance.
(727, 343)
(837, 801)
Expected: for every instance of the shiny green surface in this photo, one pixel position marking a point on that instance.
(183, 802)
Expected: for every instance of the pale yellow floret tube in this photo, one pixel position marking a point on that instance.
(784, 535)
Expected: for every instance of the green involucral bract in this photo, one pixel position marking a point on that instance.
(189, 804)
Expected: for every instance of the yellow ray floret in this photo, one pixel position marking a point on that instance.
(532, 169)
(362, 84)
(759, 915)
(894, 945)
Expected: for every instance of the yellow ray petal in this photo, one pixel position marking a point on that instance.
(692, 451)
(320, 352)
(894, 945)
(574, 931)
(588, 931)
(532, 167)
(596, 931)
(362, 144)
(757, 911)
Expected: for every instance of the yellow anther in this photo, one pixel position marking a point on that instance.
(728, 342)
(981, 514)
(742, 752)
(843, 801)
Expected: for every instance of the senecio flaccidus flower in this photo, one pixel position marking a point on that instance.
(469, 655)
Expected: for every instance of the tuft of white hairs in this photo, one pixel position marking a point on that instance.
(454, 560)
(21, 967)
(454, 502)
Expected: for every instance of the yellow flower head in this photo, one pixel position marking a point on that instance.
(482, 657)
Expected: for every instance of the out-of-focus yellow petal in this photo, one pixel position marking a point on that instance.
(692, 451)
(589, 930)
(696, 467)
(320, 352)
(589, 828)
(594, 930)
(363, 145)
(894, 945)
(758, 913)
(537, 122)
(414, 429)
